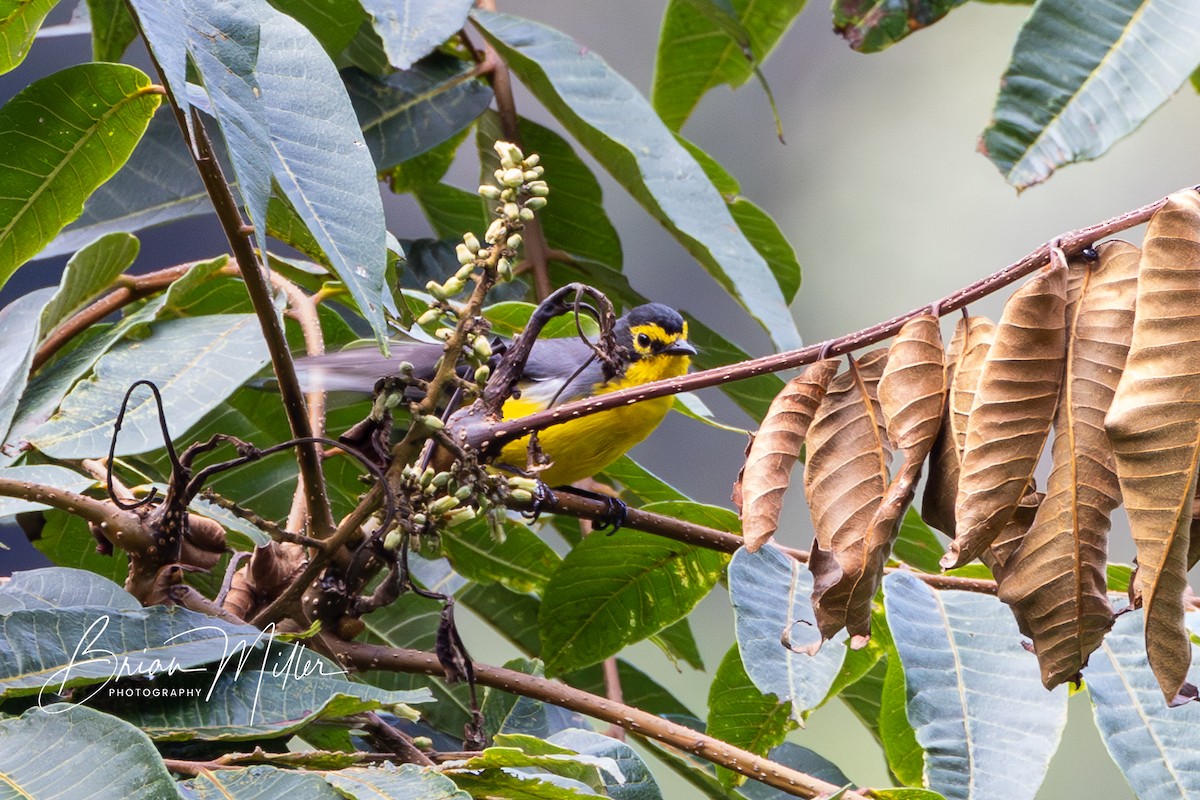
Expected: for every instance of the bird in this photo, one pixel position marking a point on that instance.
(651, 343)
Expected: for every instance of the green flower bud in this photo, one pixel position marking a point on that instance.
(514, 241)
(427, 476)
(464, 272)
(512, 212)
(531, 175)
(504, 268)
(442, 505)
(470, 241)
(527, 214)
(538, 188)
(513, 177)
(392, 540)
(435, 289)
(535, 203)
(441, 479)
(532, 160)
(434, 424)
(521, 495)
(482, 347)
(419, 519)
(495, 231)
(489, 192)
(464, 255)
(429, 317)
(444, 333)
(422, 742)
(453, 286)
(461, 515)
(482, 374)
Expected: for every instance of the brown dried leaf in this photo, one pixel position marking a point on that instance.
(912, 395)
(774, 450)
(844, 481)
(1012, 411)
(1154, 427)
(997, 556)
(1056, 582)
(968, 349)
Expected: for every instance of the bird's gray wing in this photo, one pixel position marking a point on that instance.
(553, 361)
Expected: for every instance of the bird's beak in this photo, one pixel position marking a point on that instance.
(679, 347)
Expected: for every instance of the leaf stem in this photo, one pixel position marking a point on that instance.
(496, 434)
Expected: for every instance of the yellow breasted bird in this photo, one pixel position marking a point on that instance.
(651, 344)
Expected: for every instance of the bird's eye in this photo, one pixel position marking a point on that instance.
(643, 340)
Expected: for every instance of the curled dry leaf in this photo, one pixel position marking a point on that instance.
(1154, 427)
(912, 395)
(997, 556)
(1056, 582)
(844, 481)
(774, 451)
(1011, 413)
(968, 349)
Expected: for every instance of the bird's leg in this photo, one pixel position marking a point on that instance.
(615, 515)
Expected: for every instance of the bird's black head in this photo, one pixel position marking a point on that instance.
(653, 329)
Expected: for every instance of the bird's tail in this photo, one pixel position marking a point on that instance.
(357, 369)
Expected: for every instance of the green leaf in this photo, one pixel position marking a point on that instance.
(46, 475)
(701, 47)
(387, 782)
(410, 29)
(427, 168)
(635, 782)
(974, 694)
(95, 756)
(616, 124)
(510, 318)
(679, 644)
(1119, 576)
(65, 540)
(409, 113)
(258, 782)
(332, 22)
(287, 123)
(638, 689)
(113, 30)
(158, 184)
(53, 649)
(1084, 76)
(513, 615)
(869, 26)
(196, 363)
(277, 693)
(864, 696)
(59, 587)
(1152, 744)
(18, 27)
(525, 785)
(518, 753)
(521, 563)
(908, 794)
(757, 225)
(639, 483)
(574, 220)
(771, 592)
(88, 273)
(917, 545)
(19, 328)
(690, 405)
(798, 758)
(738, 713)
(452, 211)
(904, 754)
(611, 591)
(51, 162)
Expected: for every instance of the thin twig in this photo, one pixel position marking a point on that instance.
(369, 657)
(396, 740)
(496, 434)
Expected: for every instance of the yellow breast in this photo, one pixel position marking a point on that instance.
(582, 447)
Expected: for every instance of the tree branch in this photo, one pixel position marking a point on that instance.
(124, 529)
(369, 656)
(491, 436)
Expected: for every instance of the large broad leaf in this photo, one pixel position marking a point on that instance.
(616, 124)
(60, 587)
(53, 649)
(705, 43)
(410, 29)
(635, 783)
(383, 783)
(158, 184)
(1056, 580)
(1154, 427)
(275, 695)
(611, 591)
(872, 25)
(333, 22)
(19, 327)
(75, 751)
(975, 698)
(408, 113)
(1152, 744)
(89, 272)
(196, 362)
(50, 163)
(66, 540)
(18, 27)
(113, 29)
(738, 713)
(521, 562)
(1084, 75)
(287, 123)
(260, 781)
(770, 594)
